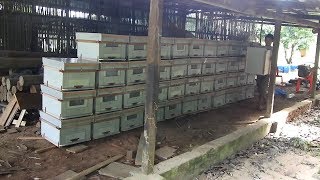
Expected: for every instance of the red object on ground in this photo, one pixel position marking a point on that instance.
(309, 78)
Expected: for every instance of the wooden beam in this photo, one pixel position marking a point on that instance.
(246, 8)
(316, 66)
(273, 69)
(152, 84)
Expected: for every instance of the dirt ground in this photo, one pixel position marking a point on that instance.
(294, 154)
(183, 134)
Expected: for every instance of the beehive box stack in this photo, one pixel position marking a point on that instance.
(107, 92)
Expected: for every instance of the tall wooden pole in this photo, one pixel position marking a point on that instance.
(316, 66)
(152, 84)
(273, 70)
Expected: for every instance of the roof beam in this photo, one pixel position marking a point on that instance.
(248, 9)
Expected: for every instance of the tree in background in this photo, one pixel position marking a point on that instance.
(292, 38)
(295, 38)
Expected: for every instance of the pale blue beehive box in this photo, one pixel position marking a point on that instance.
(109, 99)
(132, 118)
(106, 125)
(112, 74)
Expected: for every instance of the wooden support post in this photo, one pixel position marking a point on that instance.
(273, 70)
(316, 66)
(152, 84)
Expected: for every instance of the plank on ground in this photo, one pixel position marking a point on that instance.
(5, 115)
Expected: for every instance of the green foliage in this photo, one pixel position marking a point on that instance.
(266, 29)
(299, 38)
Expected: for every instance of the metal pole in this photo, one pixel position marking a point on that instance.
(273, 71)
(152, 84)
(316, 66)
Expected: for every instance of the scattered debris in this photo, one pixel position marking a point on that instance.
(129, 156)
(22, 147)
(165, 152)
(2, 130)
(12, 131)
(77, 148)
(34, 158)
(66, 175)
(118, 170)
(38, 125)
(30, 138)
(42, 150)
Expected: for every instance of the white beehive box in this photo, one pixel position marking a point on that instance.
(258, 60)
(233, 65)
(165, 70)
(112, 74)
(69, 73)
(97, 46)
(219, 99)
(235, 48)
(163, 91)
(231, 96)
(242, 79)
(190, 104)
(179, 68)
(173, 109)
(220, 82)
(251, 79)
(210, 48)
(65, 105)
(132, 118)
(108, 100)
(195, 66)
(192, 86)
(223, 48)
(242, 64)
(176, 89)
(180, 48)
(209, 66)
(250, 92)
(136, 72)
(106, 125)
(197, 47)
(65, 132)
(207, 84)
(137, 48)
(205, 102)
(232, 80)
(166, 47)
(134, 96)
(221, 66)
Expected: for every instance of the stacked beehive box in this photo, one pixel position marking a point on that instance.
(195, 75)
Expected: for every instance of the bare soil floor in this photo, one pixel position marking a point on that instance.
(294, 154)
(183, 134)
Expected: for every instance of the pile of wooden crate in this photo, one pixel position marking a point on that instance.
(103, 91)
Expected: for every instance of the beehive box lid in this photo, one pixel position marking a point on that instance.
(76, 64)
(98, 37)
(138, 39)
(220, 93)
(174, 101)
(233, 74)
(208, 78)
(196, 60)
(134, 64)
(135, 87)
(166, 62)
(211, 42)
(177, 82)
(107, 116)
(192, 80)
(198, 41)
(182, 40)
(67, 95)
(167, 40)
(113, 65)
(164, 84)
(232, 90)
(191, 98)
(65, 123)
(180, 61)
(108, 91)
(132, 110)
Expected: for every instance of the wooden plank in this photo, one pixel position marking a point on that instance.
(23, 112)
(42, 150)
(95, 167)
(152, 84)
(30, 138)
(272, 84)
(5, 115)
(29, 101)
(316, 66)
(12, 114)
